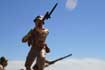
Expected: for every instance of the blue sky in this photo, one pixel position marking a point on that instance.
(80, 31)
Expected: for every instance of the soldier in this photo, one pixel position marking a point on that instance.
(3, 63)
(36, 38)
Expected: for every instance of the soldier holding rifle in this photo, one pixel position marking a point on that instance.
(37, 39)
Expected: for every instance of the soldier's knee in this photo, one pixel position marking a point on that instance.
(35, 67)
(28, 66)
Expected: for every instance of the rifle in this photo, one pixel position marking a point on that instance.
(56, 60)
(48, 14)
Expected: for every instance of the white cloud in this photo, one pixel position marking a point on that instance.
(72, 64)
(15, 65)
(71, 4)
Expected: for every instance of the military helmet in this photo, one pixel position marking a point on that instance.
(2, 59)
(38, 18)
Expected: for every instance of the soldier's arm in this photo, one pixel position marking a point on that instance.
(47, 48)
(27, 36)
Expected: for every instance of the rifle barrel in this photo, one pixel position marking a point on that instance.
(53, 9)
(52, 62)
(63, 57)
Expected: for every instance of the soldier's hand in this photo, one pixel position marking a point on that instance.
(24, 40)
(47, 49)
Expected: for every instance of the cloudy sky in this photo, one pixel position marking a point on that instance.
(76, 26)
(72, 64)
(71, 4)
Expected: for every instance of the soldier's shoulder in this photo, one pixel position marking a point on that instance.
(46, 30)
